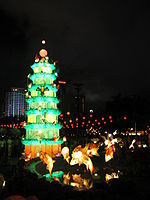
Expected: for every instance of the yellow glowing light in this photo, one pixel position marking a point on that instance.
(51, 118)
(95, 140)
(68, 113)
(111, 176)
(31, 118)
(66, 178)
(64, 139)
(93, 151)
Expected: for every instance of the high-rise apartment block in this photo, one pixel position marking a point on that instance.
(15, 103)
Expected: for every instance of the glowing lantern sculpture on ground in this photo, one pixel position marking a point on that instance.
(47, 160)
(109, 147)
(111, 176)
(82, 156)
(132, 144)
(42, 128)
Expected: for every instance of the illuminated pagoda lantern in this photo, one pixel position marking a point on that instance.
(42, 128)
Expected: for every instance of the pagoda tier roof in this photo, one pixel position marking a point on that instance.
(50, 87)
(42, 111)
(42, 99)
(43, 75)
(41, 142)
(43, 126)
(39, 64)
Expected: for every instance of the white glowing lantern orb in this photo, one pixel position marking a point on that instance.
(65, 150)
(43, 42)
(106, 142)
(43, 53)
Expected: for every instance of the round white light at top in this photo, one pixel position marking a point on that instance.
(43, 42)
(43, 53)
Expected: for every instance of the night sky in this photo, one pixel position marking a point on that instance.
(105, 46)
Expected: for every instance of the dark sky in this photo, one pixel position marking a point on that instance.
(103, 45)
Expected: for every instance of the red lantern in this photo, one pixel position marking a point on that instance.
(125, 118)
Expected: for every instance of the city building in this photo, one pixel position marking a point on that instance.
(62, 95)
(69, 102)
(15, 103)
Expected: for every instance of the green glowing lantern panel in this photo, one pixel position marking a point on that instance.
(42, 69)
(45, 105)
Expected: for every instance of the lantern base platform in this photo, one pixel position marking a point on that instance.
(32, 151)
